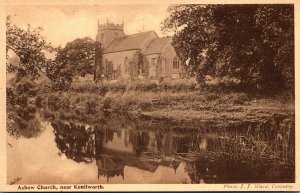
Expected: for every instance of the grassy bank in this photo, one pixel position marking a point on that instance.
(180, 101)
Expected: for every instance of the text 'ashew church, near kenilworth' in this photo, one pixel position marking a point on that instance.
(142, 55)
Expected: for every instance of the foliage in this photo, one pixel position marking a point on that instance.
(30, 47)
(98, 67)
(252, 43)
(75, 141)
(78, 55)
(140, 85)
(22, 118)
(77, 58)
(137, 66)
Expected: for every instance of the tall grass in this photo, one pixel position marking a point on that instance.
(143, 86)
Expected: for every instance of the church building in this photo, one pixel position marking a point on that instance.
(142, 55)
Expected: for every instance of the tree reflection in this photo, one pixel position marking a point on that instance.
(23, 119)
(75, 141)
(24, 122)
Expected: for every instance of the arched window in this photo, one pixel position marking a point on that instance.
(176, 63)
(126, 62)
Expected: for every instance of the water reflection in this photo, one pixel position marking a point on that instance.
(76, 142)
(121, 146)
(24, 122)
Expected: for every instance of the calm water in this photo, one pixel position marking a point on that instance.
(122, 149)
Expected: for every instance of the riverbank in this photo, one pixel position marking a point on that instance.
(220, 107)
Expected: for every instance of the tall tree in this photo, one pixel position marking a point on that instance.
(253, 43)
(98, 67)
(30, 47)
(79, 55)
(77, 58)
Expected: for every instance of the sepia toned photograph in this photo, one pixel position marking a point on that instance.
(150, 94)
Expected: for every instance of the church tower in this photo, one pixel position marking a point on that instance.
(108, 31)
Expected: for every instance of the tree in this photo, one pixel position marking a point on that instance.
(26, 65)
(77, 58)
(277, 26)
(252, 43)
(30, 47)
(99, 65)
(78, 55)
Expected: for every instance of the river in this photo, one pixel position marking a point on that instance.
(125, 149)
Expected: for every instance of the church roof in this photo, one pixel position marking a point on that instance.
(157, 45)
(130, 42)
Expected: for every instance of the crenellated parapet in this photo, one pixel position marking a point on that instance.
(111, 26)
(109, 31)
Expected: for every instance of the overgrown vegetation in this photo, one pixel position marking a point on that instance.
(140, 86)
(188, 103)
(251, 43)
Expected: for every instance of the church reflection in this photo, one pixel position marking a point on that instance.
(144, 150)
(144, 146)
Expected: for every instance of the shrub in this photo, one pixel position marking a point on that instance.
(138, 85)
(53, 102)
(90, 107)
(212, 96)
(144, 105)
(65, 103)
(107, 103)
(39, 101)
(21, 100)
(10, 96)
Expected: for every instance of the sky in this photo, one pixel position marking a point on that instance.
(64, 23)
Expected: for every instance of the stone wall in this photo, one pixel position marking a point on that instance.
(118, 61)
(169, 55)
(126, 64)
(154, 64)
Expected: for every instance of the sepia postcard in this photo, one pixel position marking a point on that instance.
(157, 96)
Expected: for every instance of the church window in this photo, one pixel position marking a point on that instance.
(126, 64)
(176, 64)
(153, 61)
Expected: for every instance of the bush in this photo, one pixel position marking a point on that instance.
(212, 96)
(90, 107)
(139, 85)
(27, 87)
(145, 106)
(65, 103)
(39, 101)
(107, 103)
(178, 85)
(10, 96)
(53, 102)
